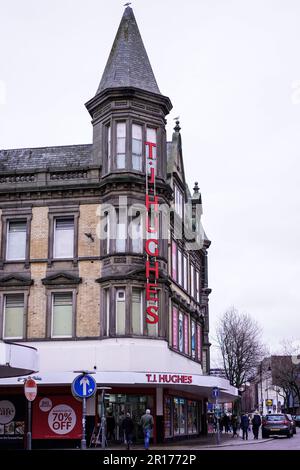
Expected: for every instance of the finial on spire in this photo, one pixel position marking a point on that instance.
(127, 4)
(177, 127)
(196, 188)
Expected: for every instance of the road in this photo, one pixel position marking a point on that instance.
(277, 443)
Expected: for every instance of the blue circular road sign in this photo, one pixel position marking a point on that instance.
(84, 386)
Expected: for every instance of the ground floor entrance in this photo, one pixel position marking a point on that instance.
(116, 406)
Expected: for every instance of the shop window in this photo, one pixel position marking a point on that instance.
(62, 315)
(120, 312)
(13, 318)
(179, 414)
(192, 417)
(137, 147)
(121, 145)
(167, 417)
(63, 238)
(137, 312)
(16, 240)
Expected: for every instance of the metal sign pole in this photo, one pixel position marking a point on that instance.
(83, 440)
(218, 424)
(103, 435)
(29, 440)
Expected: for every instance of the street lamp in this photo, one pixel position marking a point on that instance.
(103, 419)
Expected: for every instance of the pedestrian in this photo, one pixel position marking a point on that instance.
(245, 425)
(147, 425)
(256, 423)
(110, 426)
(226, 422)
(128, 427)
(234, 425)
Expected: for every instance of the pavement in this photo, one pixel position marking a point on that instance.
(202, 443)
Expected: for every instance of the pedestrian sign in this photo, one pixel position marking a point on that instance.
(84, 386)
(215, 392)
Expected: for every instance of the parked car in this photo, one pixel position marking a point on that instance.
(297, 420)
(293, 423)
(276, 424)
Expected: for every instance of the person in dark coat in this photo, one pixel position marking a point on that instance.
(128, 427)
(234, 425)
(256, 423)
(110, 426)
(245, 425)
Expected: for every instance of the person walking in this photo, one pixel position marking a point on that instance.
(234, 425)
(245, 425)
(147, 425)
(128, 427)
(256, 423)
(110, 426)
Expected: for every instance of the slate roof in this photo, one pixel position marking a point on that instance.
(67, 156)
(128, 64)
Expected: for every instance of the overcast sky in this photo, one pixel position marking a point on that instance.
(232, 71)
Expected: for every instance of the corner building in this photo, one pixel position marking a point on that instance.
(80, 298)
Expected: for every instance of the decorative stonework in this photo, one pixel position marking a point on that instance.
(6, 179)
(68, 175)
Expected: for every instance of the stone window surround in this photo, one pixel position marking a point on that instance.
(15, 215)
(112, 287)
(62, 212)
(11, 291)
(50, 290)
(129, 121)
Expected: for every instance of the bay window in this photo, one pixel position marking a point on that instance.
(120, 312)
(137, 147)
(137, 312)
(121, 145)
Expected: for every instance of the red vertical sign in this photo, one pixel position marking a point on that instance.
(152, 227)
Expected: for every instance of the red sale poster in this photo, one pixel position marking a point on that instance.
(56, 417)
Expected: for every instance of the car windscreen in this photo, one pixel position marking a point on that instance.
(275, 418)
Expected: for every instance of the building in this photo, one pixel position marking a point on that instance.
(274, 387)
(132, 308)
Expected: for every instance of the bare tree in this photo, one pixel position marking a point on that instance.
(286, 373)
(239, 340)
